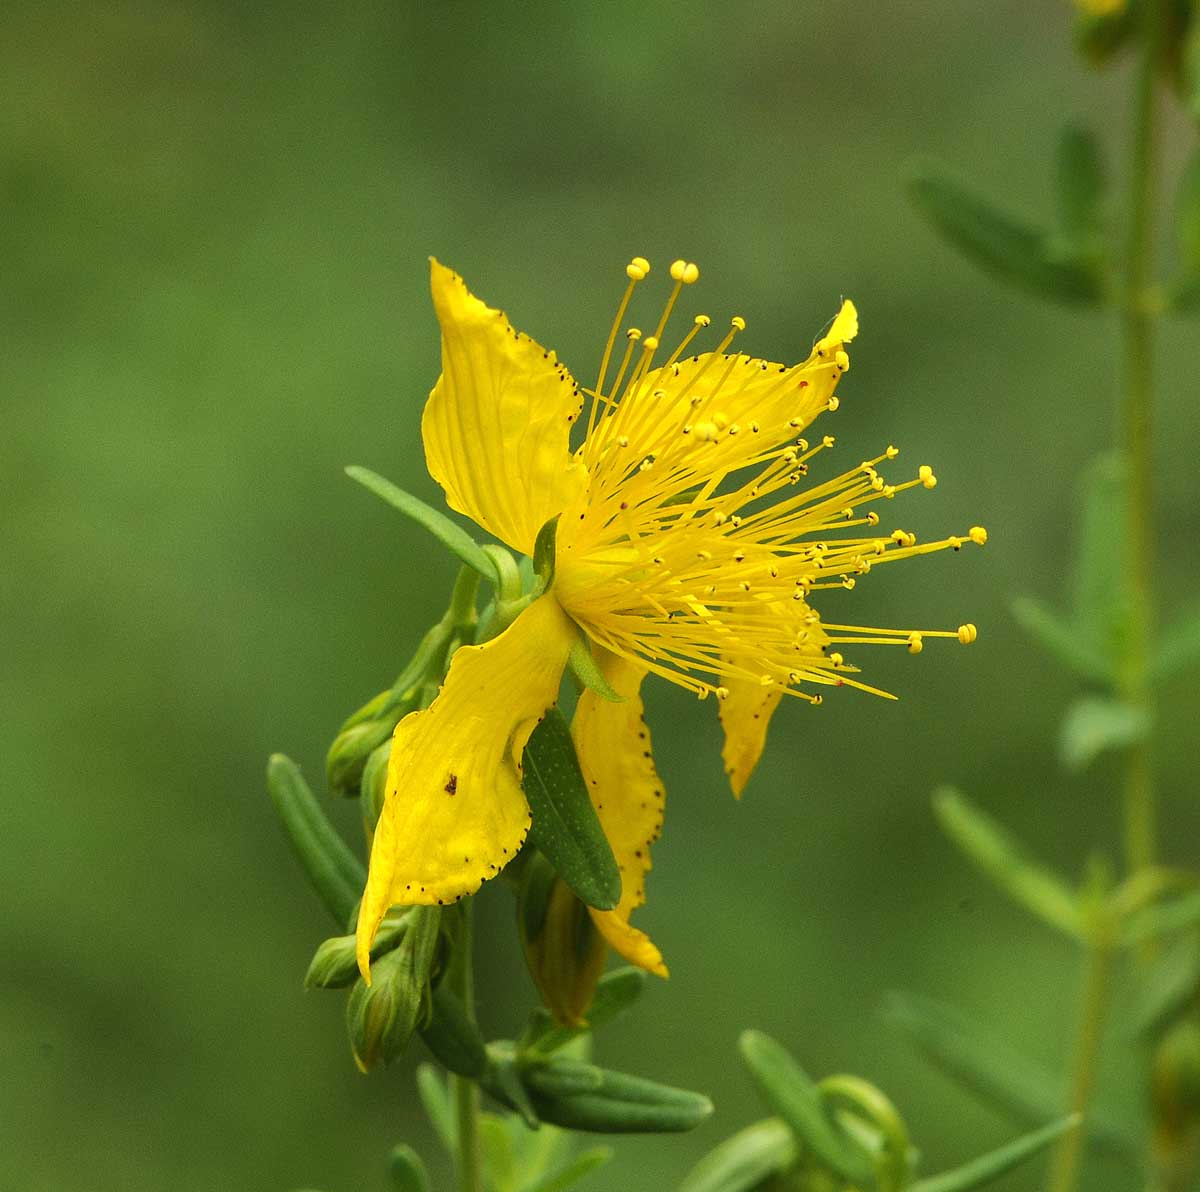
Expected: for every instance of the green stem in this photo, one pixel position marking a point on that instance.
(1064, 1170)
(469, 1159)
(1134, 432)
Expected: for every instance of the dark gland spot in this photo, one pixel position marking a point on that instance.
(452, 785)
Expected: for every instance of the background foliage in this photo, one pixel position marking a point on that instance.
(213, 295)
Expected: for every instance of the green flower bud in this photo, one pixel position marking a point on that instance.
(334, 965)
(347, 757)
(564, 951)
(382, 1016)
(373, 786)
(375, 708)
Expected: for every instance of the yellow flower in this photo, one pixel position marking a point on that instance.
(686, 546)
(1101, 8)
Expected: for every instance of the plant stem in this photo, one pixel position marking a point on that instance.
(1064, 1170)
(1134, 433)
(469, 1162)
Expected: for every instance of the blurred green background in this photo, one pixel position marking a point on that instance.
(216, 218)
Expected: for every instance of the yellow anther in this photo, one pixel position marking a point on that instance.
(832, 404)
(634, 334)
(704, 555)
(889, 491)
(649, 343)
(766, 681)
(691, 273)
(877, 483)
(707, 432)
(637, 269)
(915, 644)
(722, 693)
(848, 582)
(702, 320)
(738, 323)
(967, 633)
(892, 452)
(623, 441)
(677, 270)
(836, 660)
(843, 361)
(872, 518)
(828, 441)
(904, 538)
(926, 477)
(734, 429)
(978, 535)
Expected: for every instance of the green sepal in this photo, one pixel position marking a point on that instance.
(406, 1172)
(1095, 724)
(1021, 1087)
(1080, 183)
(503, 1081)
(999, 243)
(545, 551)
(452, 1038)
(742, 1162)
(1168, 987)
(435, 1098)
(335, 872)
(1177, 648)
(372, 787)
(789, 1091)
(347, 756)
(996, 1163)
(585, 668)
(1001, 857)
(448, 533)
(381, 1017)
(565, 828)
(567, 1177)
(580, 1096)
(615, 993)
(334, 964)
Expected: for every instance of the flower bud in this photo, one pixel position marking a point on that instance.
(373, 785)
(382, 1016)
(334, 964)
(348, 754)
(375, 708)
(564, 951)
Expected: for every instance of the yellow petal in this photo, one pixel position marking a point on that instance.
(745, 716)
(454, 813)
(497, 424)
(613, 744)
(845, 326)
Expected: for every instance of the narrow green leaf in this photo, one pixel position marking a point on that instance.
(742, 1162)
(996, 1163)
(1168, 987)
(585, 669)
(1093, 725)
(335, 872)
(1004, 859)
(406, 1171)
(452, 1038)
(1001, 244)
(1178, 647)
(787, 1089)
(435, 1098)
(1080, 187)
(566, 829)
(617, 1104)
(1100, 586)
(616, 991)
(448, 533)
(583, 1164)
(1061, 639)
(1164, 918)
(968, 1053)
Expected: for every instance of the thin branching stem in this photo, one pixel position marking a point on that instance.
(469, 1158)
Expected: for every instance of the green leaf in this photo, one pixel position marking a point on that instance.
(1168, 987)
(1164, 918)
(742, 1162)
(1026, 1090)
(566, 829)
(406, 1171)
(615, 993)
(1177, 648)
(1080, 187)
(787, 1089)
(1061, 639)
(1095, 724)
(996, 1163)
(496, 1143)
(448, 533)
(583, 1164)
(999, 243)
(335, 872)
(585, 669)
(582, 1097)
(435, 1098)
(503, 1081)
(452, 1038)
(1004, 859)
